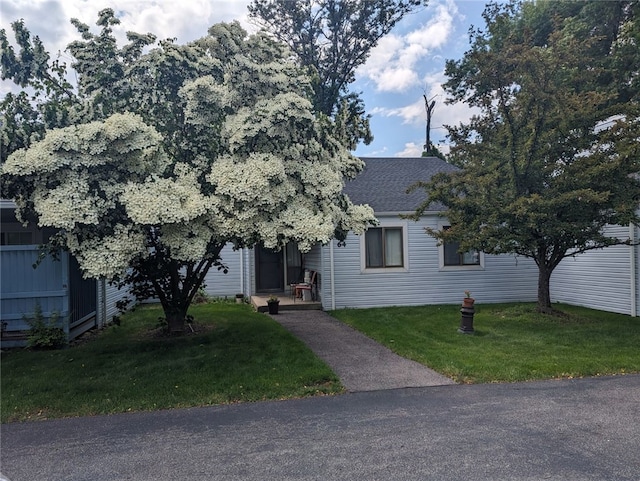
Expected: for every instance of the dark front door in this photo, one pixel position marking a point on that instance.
(269, 270)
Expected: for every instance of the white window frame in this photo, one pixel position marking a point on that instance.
(405, 249)
(463, 267)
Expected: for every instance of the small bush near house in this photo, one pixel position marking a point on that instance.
(45, 334)
(201, 297)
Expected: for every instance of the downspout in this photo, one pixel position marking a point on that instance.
(331, 267)
(633, 268)
(103, 304)
(66, 308)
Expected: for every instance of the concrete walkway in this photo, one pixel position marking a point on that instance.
(361, 363)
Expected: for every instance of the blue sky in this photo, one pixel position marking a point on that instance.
(408, 63)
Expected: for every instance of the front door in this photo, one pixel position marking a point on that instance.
(269, 270)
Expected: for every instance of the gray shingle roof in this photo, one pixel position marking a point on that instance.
(384, 181)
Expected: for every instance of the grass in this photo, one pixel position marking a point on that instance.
(239, 356)
(512, 342)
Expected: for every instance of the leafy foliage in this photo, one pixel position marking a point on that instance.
(333, 38)
(167, 152)
(45, 333)
(553, 156)
(23, 119)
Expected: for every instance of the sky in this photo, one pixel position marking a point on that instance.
(407, 63)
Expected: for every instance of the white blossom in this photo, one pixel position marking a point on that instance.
(187, 242)
(158, 201)
(246, 160)
(120, 137)
(108, 256)
(70, 203)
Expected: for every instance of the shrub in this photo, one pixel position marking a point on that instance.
(45, 334)
(201, 297)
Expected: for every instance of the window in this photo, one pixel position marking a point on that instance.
(452, 256)
(384, 247)
(16, 238)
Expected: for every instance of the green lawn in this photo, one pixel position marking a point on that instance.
(242, 356)
(512, 342)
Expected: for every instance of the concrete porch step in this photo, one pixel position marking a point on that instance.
(287, 303)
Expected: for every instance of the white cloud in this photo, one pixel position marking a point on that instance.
(413, 117)
(410, 114)
(444, 148)
(185, 20)
(398, 79)
(375, 153)
(443, 114)
(393, 64)
(381, 56)
(447, 114)
(410, 150)
(438, 30)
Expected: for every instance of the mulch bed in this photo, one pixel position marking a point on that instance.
(190, 329)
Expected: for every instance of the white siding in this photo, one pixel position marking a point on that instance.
(503, 278)
(313, 260)
(599, 279)
(219, 284)
(108, 297)
(634, 259)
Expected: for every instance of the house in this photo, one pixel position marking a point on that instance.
(395, 263)
(604, 279)
(57, 285)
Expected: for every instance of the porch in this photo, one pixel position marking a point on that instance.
(287, 303)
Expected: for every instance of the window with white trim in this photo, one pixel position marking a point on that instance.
(384, 247)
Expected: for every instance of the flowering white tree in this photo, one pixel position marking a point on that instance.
(166, 152)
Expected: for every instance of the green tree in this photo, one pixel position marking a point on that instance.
(553, 156)
(333, 38)
(22, 118)
(166, 153)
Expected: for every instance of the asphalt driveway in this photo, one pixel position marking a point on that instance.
(585, 429)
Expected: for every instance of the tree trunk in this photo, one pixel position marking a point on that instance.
(175, 316)
(544, 294)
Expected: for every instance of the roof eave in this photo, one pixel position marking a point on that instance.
(408, 212)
